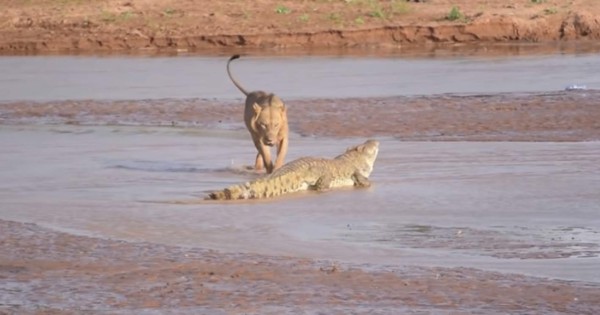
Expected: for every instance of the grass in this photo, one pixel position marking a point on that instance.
(246, 14)
(400, 7)
(69, 2)
(380, 9)
(281, 9)
(335, 17)
(377, 13)
(455, 14)
(304, 18)
(110, 17)
(169, 11)
(550, 11)
(124, 16)
(538, 1)
(376, 9)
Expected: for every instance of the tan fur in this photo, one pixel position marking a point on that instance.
(352, 168)
(266, 119)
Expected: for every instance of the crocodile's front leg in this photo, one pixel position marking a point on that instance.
(360, 180)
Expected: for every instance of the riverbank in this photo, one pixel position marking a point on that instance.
(197, 26)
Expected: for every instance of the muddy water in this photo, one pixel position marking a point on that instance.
(529, 208)
(67, 78)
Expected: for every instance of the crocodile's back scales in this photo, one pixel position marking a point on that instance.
(308, 173)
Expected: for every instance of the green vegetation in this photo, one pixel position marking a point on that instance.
(304, 18)
(538, 1)
(281, 9)
(335, 17)
(377, 12)
(110, 17)
(124, 16)
(68, 2)
(169, 11)
(382, 9)
(455, 14)
(400, 7)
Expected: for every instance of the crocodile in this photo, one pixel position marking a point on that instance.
(352, 168)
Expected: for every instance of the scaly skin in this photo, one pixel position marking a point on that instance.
(352, 168)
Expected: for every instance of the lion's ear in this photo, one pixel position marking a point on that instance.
(257, 109)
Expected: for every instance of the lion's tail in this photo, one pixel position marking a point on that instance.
(235, 82)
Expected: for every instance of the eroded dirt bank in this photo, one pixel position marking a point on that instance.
(148, 25)
(557, 116)
(83, 274)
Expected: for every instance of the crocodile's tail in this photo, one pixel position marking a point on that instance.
(235, 82)
(231, 193)
(218, 195)
(268, 187)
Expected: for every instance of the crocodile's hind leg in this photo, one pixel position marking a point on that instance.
(360, 180)
(323, 183)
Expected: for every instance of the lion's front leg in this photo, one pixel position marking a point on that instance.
(263, 158)
(265, 152)
(282, 148)
(259, 163)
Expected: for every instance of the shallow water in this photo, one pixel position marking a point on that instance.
(529, 208)
(45, 78)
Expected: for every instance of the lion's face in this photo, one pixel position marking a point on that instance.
(269, 122)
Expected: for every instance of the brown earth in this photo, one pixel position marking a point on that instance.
(46, 272)
(76, 26)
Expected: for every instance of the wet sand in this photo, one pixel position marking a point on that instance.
(551, 116)
(99, 276)
(504, 98)
(464, 227)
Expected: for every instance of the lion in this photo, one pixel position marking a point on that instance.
(266, 119)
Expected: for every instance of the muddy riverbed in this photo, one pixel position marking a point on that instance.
(463, 226)
(484, 198)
